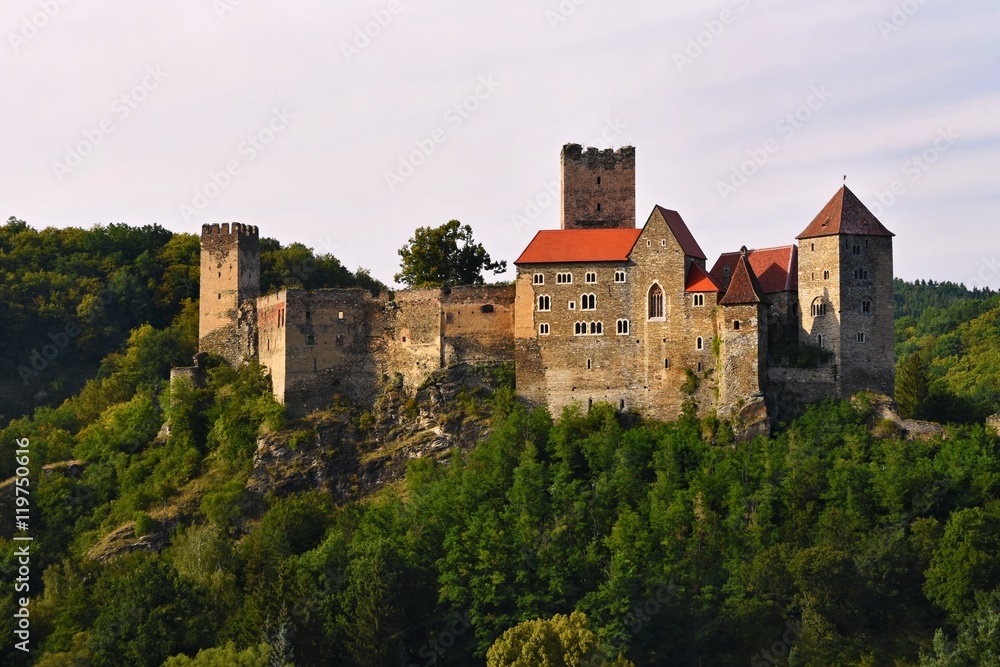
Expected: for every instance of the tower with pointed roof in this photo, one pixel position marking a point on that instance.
(846, 293)
(743, 333)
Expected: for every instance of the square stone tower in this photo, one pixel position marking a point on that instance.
(230, 285)
(846, 294)
(598, 188)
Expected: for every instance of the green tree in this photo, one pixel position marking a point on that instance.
(224, 656)
(561, 641)
(912, 384)
(445, 255)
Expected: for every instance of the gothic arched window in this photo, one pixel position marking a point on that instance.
(655, 301)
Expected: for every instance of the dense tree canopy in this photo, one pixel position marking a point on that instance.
(445, 255)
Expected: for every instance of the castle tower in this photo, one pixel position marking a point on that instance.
(846, 293)
(598, 188)
(230, 285)
(742, 326)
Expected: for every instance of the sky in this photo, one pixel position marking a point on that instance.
(345, 126)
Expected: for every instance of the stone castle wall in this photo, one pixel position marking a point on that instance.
(743, 332)
(598, 188)
(230, 283)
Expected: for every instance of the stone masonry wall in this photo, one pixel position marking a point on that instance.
(742, 355)
(598, 188)
(230, 283)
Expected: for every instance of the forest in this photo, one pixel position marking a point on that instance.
(594, 538)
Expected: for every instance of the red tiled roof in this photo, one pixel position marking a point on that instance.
(744, 288)
(777, 269)
(699, 280)
(560, 246)
(844, 214)
(681, 233)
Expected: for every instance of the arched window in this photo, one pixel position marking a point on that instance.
(866, 306)
(655, 301)
(700, 343)
(588, 302)
(819, 340)
(818, 307)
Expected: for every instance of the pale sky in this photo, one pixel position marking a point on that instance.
(120, 111)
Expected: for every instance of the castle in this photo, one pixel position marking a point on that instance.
(601, 311)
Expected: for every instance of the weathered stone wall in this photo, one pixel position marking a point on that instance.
(867, 361)
(598, 188)
(742, 355)
(819, 283)
(272, 310)
(229, 285)
(414, 322)
(478, 324)
(790, 390)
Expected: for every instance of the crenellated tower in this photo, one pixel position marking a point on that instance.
(598, 188)
(230, 285)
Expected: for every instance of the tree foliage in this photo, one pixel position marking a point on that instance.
(445, 255)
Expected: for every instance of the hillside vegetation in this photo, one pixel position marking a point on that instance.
(237, 537)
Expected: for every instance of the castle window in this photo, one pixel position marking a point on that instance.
(619, 276)
(564, 278)
(862, 337)
(861, 274)
(818, 308)
(340, 341)
(588, 302)
(663, 242)
(572, 305)
(819, 340)
(590, 364)
(544, 303)
(649, 244)
(727, 270)
(866, 306)
(699, 344)
(621, 405)
(666, 364)
(655, 302)
(591, 278)
(308, 316)
(580, 329)
(340, 315)
(538, 279)
(623, 327)
(597, 328)
(598, 180)
(543, 329)
(220, 296)
(310, 340)
(856, 250)
(220, 274)
(826, 275)
(813, 249)
(736, 325)
(701, 367)
(488, 308)
(598, 208)
(699, 299)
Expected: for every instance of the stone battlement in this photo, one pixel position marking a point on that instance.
(225, 230)
(595, 157)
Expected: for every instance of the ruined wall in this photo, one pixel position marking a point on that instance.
(478, 324)
(414, 321)
(229, 284)
(272, 310)
(790, 390)
(598, 188)
(742, 355)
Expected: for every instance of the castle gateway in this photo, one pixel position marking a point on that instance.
(601, 311)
